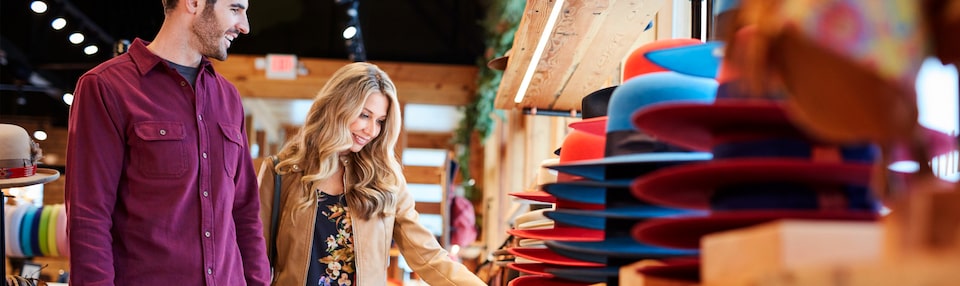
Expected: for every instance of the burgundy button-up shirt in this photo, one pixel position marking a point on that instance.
(160, 187)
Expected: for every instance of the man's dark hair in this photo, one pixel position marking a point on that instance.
(170, 4)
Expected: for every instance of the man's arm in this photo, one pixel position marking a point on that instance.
(246, 215)
(95, 152)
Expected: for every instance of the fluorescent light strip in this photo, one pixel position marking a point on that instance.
(541, 45)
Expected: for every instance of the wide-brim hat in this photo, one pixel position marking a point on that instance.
(636, 63)
(592, 192)
(615, 217)
(629, 166)
(545, 255)
(533, 280)
(574, 273)
(615, 251)
(701, 60)
(686, 232)
(696, 186)
(560, 233)
(700, 126)
(20, 152)
(500, 63)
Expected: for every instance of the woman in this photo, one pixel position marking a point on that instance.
(343, 197)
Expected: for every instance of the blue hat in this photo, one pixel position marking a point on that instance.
(702, 60)
(629, 152)
(614, 218)
(615, 251)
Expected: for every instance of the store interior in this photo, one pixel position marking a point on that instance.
(562, 142)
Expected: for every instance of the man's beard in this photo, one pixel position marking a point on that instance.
(208, 35)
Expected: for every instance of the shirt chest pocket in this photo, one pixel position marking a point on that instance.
(232, 142)
(160, 150)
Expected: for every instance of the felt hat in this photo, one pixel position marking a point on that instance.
(545, 255)
(739, 184)
(534, 280)
(628, 152)
(701, 59)
(686, 232)
(594, 111)
(617, 251)
(19, 156)
(500, 63)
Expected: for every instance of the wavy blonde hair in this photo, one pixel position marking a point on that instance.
(375, 175)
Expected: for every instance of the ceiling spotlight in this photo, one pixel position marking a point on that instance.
(58, 23)
(76, 38)
(349, 32)
(68, 98)
(40, 135)
(38, 6)
(91, 49)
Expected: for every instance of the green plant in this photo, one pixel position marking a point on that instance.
(500, 25)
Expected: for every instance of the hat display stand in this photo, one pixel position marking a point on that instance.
(20, 155)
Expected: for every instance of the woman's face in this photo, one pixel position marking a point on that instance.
(367, 125)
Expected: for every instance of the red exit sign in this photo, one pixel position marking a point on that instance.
(280, 66)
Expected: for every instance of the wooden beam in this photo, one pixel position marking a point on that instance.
(534, 20)
(429, 140)
(416, 82)
(428, 208)
(423, 175)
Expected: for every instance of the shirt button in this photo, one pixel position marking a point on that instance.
(183, 83)
(163, 132)
(204, 155)
(210, 271)
(205, 194)
(207, 234)
(200, 117)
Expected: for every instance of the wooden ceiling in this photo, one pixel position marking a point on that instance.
(582, 54)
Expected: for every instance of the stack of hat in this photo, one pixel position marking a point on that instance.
(764, 168)
(599, 199)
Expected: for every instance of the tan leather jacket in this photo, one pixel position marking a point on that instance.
(371, 238)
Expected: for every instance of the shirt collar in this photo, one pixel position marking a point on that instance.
(145, 60)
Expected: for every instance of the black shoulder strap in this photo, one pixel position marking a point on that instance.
(274, 217)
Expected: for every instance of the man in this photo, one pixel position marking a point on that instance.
(161, 188)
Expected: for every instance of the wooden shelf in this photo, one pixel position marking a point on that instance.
(583, 53)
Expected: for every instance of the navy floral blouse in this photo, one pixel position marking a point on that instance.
(332, 258)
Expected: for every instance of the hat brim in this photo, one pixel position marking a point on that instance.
(628, 166)
(700, 126)
(546, 255)
(499, 63)
(536, 196)
(702, 60)
(674, 188)
(41, 176)
(533, 280)
(615, 248)
(560, 233)
(591, 192)
(595, 126)
(585, 274)
(686, 232)
(531, 268)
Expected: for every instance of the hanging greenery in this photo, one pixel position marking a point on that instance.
(500, 25)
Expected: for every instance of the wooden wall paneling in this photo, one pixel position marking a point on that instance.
(429, 140)
(422, 174)
(416, 82)
(622, 27)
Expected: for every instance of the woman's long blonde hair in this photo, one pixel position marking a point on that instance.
(375, 171)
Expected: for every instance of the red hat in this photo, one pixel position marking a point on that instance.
(686, 232)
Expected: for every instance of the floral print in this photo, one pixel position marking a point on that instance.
(338, 258)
